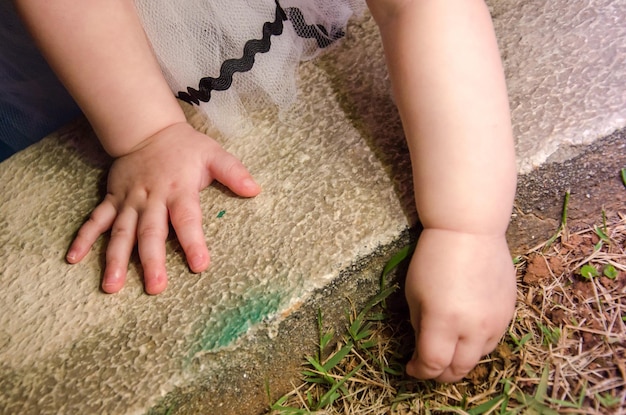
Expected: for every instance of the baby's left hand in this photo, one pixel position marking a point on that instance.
(461, 291)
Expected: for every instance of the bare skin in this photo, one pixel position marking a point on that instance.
(161, 163)
(450, 90)
(157, 181)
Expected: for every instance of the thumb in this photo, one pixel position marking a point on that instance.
(229, 171)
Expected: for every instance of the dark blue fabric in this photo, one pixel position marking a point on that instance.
(5, 151)
(33, 103)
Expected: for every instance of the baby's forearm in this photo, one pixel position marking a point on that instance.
(101, 54)
(450, 90)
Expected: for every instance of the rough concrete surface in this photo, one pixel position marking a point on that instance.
(336, 201)
(565, 68)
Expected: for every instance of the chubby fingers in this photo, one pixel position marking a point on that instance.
(186, 217)
(152, 231)
(444, 356)
(123, 227)
(123, 237)
(434, 351)
(229, 171)
(100, 221)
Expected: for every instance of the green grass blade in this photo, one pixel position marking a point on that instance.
(325, 338)
(542, 387)
(374, 301)
(392, 264)
(394, 371)
(280, 402)
(487, 406)
(564, 404)
(378, 317)
(337, 357)
(330, 396)
(583, 394)
(316, 365)
(602, 234)
(318, 380)
(323, 374)
(355, 327)
(364, 332)
(563, 224)
(328, 399)
(397, 259)
(368, 344)
(287, 410)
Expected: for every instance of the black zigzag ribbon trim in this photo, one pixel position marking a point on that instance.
(317, 32)
(229, 67)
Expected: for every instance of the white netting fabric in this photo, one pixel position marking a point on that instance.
(192, 38)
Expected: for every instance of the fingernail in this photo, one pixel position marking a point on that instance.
(196, 263)
(250, 183)
(71, 256)
(111, 280)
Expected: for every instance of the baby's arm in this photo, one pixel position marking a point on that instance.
(100, 52)
(450, 90)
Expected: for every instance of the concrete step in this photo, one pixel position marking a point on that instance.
(336, 202)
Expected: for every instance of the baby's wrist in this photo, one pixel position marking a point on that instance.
(486, 234)
(121, 149)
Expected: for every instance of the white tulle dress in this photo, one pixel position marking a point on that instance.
(225, 56)
(230, 55)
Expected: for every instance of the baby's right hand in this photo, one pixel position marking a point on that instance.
(158, 182)
(461, 291)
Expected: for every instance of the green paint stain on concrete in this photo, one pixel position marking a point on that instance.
(223, 329)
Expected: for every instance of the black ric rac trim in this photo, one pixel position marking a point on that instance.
(252, 47)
